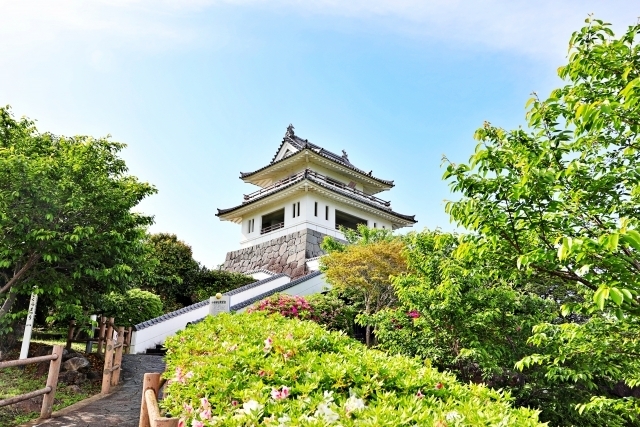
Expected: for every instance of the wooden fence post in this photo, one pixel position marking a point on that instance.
(101, 334)
(128, 340)
(52, 381)
(72, 324)
(108, 364)
(109, 334)
(151, 381)
(115, 377)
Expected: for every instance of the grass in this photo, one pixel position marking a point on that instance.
(16, 381)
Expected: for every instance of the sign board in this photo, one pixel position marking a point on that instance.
(29, 326)
(219, 304)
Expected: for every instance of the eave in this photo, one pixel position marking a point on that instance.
(260, 177)
(307, 183)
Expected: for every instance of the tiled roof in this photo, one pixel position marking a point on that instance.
(258, 270)
(410, 218)
(200, 304)
(301, 145)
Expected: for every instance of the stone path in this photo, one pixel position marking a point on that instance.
(122, 407)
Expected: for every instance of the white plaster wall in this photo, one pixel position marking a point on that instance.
(266, 287)
(312, 286)
(259, 275)
(156, 334)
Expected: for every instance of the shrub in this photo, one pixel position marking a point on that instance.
(253, 369)
(209, 282)
(325, 309)
(131, 308)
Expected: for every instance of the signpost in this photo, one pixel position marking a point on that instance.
(219, 304)
(26, 339)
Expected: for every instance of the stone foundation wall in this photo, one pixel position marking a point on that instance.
(286, 254)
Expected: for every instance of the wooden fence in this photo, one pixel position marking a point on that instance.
(149, 410)
(49, 391)
(112, 359)
(104, 330)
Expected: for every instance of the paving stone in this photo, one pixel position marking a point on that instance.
(122, 407)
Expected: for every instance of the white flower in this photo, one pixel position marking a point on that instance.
(250, 406)
(283, 420)
(452, 416)
(326, 413)
(328, 396)
(353, 403)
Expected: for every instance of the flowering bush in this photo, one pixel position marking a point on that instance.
(286, 305)
(325, 309)
(253, 369)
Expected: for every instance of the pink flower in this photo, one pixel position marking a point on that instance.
(204, 403)
(196, 423)
(234, 403)
(280, 394)
(262, 373)
(180, 377)
(438, 386)
(414, 314)
(182, 423)
(206, 414)
(268, 343)
(187, 408)
(419, 394)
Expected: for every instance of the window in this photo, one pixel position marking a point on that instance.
(326, 213)
(253, 225)
(374, 225)
(348, 221)
(315, 209)
(272, 221)
(298, 208)
(294, 210)
(250, 225)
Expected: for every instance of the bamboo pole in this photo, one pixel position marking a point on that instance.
(52, 382)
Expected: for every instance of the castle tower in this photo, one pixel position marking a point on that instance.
(305, 193)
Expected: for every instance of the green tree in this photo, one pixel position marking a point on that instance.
(561, 202)
(174, 271)
(67, 228)
(364, 270)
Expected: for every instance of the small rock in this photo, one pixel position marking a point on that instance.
(93, 375)
(75, 389)
(75, 364)
(71, 355)
(72, 377)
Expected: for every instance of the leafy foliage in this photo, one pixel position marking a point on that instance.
(363, 270)
(66, 221)
(252, 369)
(325, 309)
(179, 280)
(560, 204)
(133, 307)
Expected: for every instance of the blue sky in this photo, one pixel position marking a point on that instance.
(201, 90)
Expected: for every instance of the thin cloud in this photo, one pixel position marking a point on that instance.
(540, 29)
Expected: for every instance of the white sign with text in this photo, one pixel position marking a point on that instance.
(219, 304)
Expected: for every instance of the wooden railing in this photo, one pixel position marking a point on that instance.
(49, 391)
(319, 177)
(112, 360)
(105, 329)
(149, 410)
(272, 228)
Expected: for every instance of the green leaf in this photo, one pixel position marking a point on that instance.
(616, 295)
(600, 296)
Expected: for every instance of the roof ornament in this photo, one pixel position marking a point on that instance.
(370, 172)
(345, 156)
(289, 133)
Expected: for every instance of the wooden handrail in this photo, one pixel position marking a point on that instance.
(272, 228)
(49, 391)
(149, 410)
(28, 361)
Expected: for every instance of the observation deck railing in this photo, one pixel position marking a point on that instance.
(272, 228)
(316, 177)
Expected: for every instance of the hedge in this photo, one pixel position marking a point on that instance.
(133, 307)
(253, 369)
